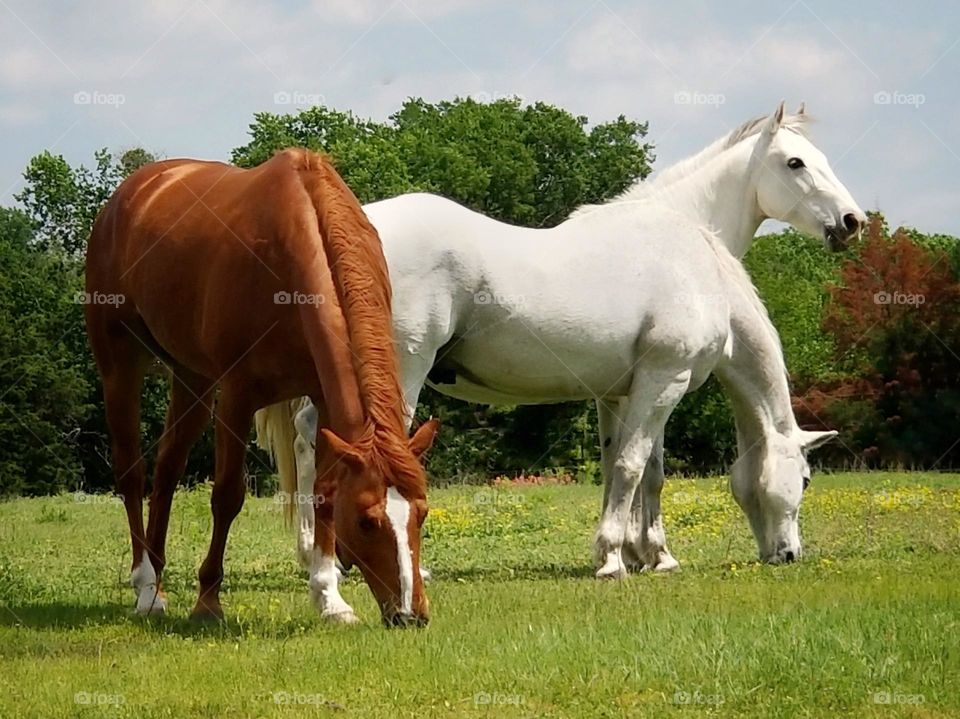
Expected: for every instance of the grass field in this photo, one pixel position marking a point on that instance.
(868, 624)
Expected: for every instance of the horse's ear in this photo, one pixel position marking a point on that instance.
(802, 110)
(809, 441)
(343, 450)
(423, 438)
(773, 124)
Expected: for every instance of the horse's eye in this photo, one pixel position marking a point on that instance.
(806, 483)
(795, 163)
(367, 524)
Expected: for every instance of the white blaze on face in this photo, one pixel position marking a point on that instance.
(398, 512)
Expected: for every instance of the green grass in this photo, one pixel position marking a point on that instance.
(519, 628)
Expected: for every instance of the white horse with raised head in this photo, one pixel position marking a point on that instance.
(631, 303)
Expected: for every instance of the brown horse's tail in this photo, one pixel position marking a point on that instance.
(275, 435)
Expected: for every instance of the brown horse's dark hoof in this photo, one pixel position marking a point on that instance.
(207, 610)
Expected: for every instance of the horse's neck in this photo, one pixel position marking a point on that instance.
(720, 194)
(754, 375)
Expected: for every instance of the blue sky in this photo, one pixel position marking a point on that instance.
(184, 77)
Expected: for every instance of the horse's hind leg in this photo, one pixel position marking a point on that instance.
(610, 411)
(188, 415)
(303, 448)
(653, 395)
(645, 544)
(233, 417)
(122, 362)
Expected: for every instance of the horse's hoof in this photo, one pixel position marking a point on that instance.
(206, 612)
(157, 609)
(663, 565)
(612, 568)
(617, 573)
(667, 564)
(151, 604)
(345, 617)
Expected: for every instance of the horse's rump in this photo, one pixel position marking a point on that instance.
(220, 264)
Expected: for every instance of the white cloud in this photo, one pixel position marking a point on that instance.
(19, 114)
(193, 72)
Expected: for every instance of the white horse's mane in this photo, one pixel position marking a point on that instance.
(642, 189)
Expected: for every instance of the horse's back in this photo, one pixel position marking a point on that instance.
(528, 313)
(188, 243)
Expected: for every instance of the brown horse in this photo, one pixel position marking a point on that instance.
(269, 283)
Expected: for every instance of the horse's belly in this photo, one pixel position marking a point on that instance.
(519, 367)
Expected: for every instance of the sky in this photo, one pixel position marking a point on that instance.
(183, 78)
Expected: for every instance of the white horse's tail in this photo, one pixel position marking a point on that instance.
(275, 435)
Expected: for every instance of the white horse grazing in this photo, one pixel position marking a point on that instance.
(630, 303)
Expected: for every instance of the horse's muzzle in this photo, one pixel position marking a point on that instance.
(401, 620)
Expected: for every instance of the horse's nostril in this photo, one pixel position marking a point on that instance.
(789, 556)
(851, 222)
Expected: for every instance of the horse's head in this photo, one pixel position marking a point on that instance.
(795, 184)
(378, 517)
(768, 482)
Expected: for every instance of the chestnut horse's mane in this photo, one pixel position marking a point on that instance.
(360, 276)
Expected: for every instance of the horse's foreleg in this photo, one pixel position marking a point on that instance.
(413, 375)
(645, 546)
(233, 417)
(324, 575)
(653, 396)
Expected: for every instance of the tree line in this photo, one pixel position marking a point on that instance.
(871, 336)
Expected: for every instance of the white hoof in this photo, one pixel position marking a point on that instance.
(613, 567)
(149, 602)
(144, 581)
(666, 563)
(340, 617)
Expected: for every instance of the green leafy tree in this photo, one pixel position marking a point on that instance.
(527, 165)
(62, 202)
(45, 390)
(47, 241)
